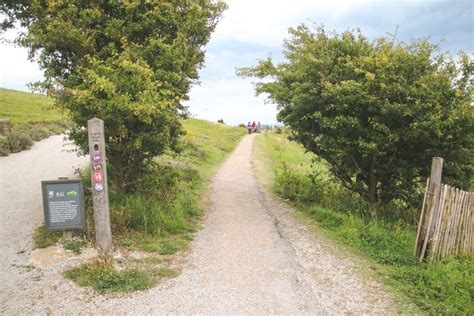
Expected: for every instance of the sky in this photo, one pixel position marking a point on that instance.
(254, 29)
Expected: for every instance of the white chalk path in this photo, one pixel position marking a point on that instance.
(21, 209)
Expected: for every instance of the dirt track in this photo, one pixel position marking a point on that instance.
(251, 257)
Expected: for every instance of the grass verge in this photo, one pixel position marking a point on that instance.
(444, 287)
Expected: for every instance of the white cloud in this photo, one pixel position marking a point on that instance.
(15, 69)
(266, 22)
(232, 100)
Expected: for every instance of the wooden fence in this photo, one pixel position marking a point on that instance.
(446, 222)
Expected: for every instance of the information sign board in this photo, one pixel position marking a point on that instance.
(63, 203)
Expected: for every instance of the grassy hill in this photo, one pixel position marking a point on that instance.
(26, 108)
(32, 118)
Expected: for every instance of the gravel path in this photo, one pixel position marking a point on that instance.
(21, 209)
(251, 257)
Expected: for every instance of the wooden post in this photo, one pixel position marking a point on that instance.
(436, 170)
(435, 179)
(67, 234)
(100, 196)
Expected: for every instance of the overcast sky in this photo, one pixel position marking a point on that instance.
(253, 29)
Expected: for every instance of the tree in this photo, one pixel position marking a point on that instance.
(376, 111)
(130, 63)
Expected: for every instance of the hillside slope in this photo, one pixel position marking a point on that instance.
(24, 107)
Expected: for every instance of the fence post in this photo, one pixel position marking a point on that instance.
(436, 170)
(431, 212)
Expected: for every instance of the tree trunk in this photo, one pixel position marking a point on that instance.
(372, 195)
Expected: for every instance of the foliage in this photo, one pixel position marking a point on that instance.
(438, 288)
(376, 111)
(220, 121)
(128, 63)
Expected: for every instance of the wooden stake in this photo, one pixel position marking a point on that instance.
(428, 229)
(420, 223)
(438, 229)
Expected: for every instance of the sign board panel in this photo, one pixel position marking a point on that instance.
(63, 203)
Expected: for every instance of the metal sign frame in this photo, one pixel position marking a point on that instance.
(46, 209)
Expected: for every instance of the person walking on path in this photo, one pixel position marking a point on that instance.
(249, 127)
(254, 127)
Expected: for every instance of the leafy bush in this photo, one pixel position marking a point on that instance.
(377, 111)
(297, 187)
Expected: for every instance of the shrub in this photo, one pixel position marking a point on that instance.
(4, 148)
(39, 133)
(18, 141)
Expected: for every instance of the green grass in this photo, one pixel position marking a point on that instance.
(444, 287)
(32, 119)
(105, 278)
(24, 108)
(43, 238)
(73, 245)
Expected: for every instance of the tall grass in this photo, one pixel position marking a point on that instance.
(441, 287)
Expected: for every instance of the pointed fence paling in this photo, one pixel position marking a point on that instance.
(446, 223)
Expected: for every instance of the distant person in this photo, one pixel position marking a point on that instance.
(254, 126)
(249, 127)
(258, 127)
